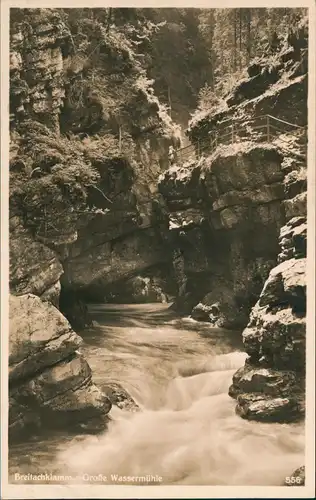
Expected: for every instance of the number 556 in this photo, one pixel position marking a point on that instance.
(293, 480)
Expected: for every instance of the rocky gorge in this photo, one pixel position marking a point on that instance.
(101, 213)
(83, 216)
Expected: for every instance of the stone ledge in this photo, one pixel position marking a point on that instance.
(40, 336)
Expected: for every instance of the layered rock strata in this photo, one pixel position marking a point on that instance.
(50, 381)
(271, 386)
(102, 239)
(225, 214)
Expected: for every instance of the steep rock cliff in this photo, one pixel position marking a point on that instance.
(225, 216)
(237, 219)
(88, 142)
(229, 200)
(271, 386)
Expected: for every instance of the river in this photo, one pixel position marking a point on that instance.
(178, 371)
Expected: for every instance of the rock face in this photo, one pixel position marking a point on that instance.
(116, 259)
(34, 268)
(38, 46)
(50, 382)
(39, 42)
(228, 204)
(237, 218)
(84, 207)
(271, 386)
(225, 217)
(84, 199)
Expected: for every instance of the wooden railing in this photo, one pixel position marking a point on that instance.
(291, 138)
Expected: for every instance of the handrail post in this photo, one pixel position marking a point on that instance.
(268, 128)
(233, 132)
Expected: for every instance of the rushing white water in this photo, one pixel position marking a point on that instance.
(179, 372)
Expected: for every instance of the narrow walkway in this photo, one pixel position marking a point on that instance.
(289, 137)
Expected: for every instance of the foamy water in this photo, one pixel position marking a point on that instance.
(179, 372)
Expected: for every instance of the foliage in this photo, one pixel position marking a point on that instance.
(51, 176)
(108, 90)
(129, 74)
(263, 44)
(208, 99)
(236, 36)
(178, 60)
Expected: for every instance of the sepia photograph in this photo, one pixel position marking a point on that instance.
(158, 178)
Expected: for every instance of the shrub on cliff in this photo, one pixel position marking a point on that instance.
(107, 90)
(263, 52)
(50, 177)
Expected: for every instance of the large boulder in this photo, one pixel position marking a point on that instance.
(258, 379)
(218, 308)
(259, 407)
(120, 397)
(202, 312)
(286, 283)
(278, 337)
(40, 336)
(276, 330)
(50, 381)
(296, 207)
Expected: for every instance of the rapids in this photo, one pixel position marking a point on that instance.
(178, 371)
